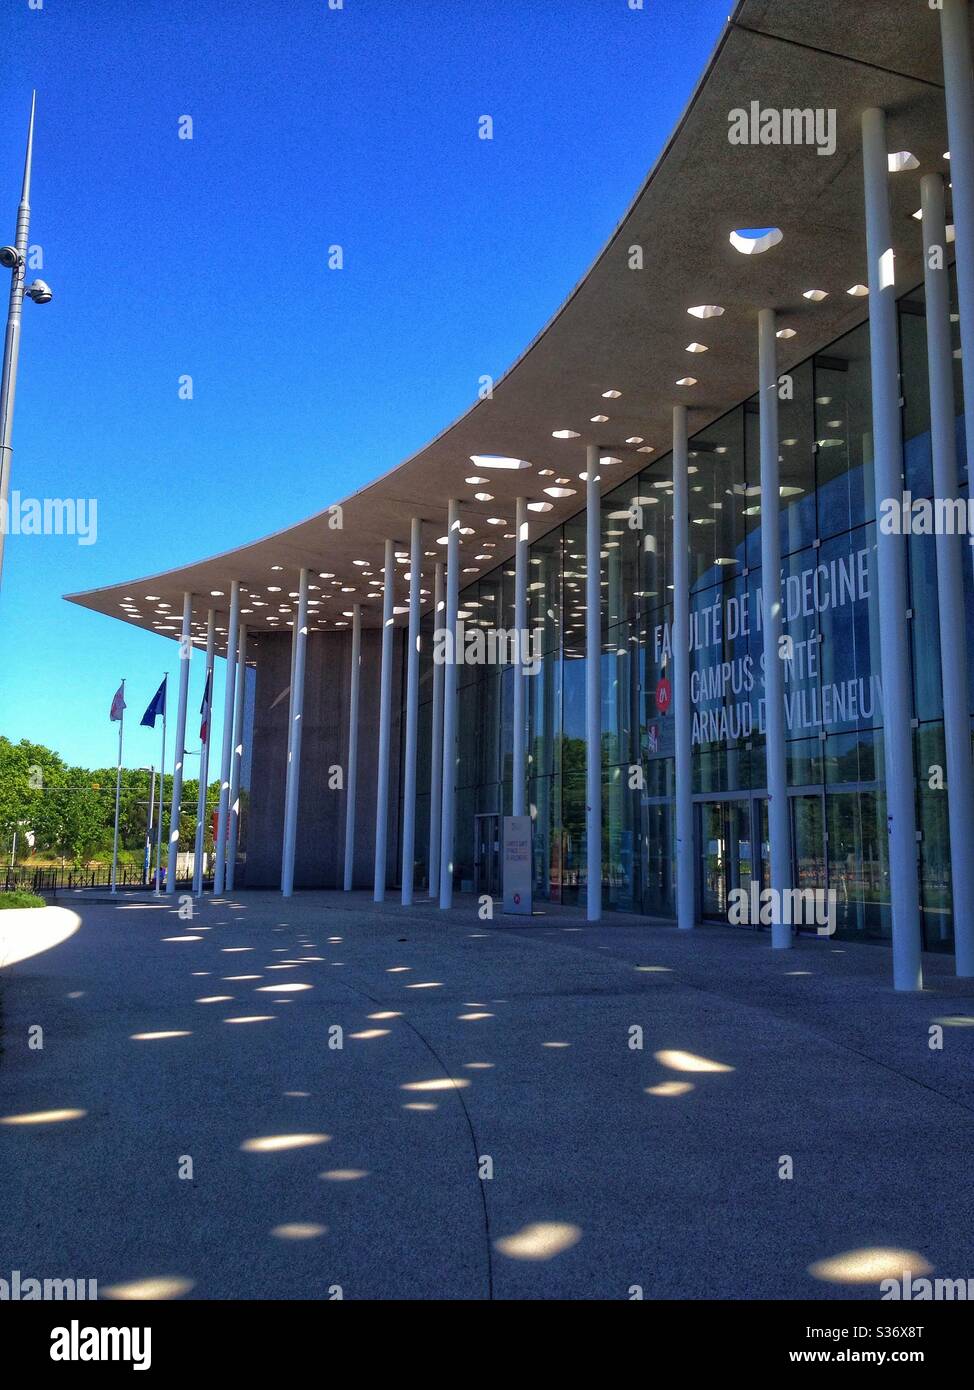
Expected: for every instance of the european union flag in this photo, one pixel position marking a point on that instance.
(157, 706)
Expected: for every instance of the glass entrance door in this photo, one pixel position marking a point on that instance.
(713, 843)
(731, 843)
(808, 839)
(487, 855)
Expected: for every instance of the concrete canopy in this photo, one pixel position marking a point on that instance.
(627, 330)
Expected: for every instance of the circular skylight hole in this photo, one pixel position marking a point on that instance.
(754, 241)
(902, 160)
(706, 311)
(498, 461)
(564, 434)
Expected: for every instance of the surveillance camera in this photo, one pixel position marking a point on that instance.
(9, 257)
(40, 292)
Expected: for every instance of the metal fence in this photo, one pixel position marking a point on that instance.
(52, 879)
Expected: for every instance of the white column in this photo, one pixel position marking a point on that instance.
(519, 762)
(293, 789)
(219, 867)
(950, 575)
(436, 737)
(236, 759)
(680, 703)
(204, 757)
(891, 558)
(385, 726)
(290, 699)
(593, 685)
(412, 712)
(295, 630)
(351, 772)
(955, 33)
(185, 656)
(779, 823)
(451, 669)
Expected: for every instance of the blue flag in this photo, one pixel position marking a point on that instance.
(157, 706)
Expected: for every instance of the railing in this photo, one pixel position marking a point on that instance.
(54, 879)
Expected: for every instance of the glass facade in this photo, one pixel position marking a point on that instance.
(833, 676)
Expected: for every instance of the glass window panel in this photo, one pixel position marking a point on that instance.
(843, 434)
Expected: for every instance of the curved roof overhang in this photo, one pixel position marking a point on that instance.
(627, 330)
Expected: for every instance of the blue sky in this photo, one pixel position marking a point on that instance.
(210, 257)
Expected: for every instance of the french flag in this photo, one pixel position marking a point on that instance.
(205, 709)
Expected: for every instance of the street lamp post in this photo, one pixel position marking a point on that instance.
(15, 259)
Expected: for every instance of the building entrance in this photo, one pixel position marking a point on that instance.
(733, 841)
(487, 856)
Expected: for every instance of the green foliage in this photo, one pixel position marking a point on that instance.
(71, 810)
(20, 899)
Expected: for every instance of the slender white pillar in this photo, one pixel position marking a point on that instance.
(451, 669)
(285, 831)
(220, 855)
(779, 823)
(185, 657)
(519, 761)
(593, 685)
(950, 574)
(955, 33)
(412, 712)
(290, 698)
(236, 760)
(436, 737)
(293, 789)
(385, 725)
(351, 772)
(891, 558)
(204, 756)
(680, 702)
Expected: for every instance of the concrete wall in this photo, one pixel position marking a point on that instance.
(320, 846)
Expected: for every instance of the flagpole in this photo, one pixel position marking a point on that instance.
(118, 787)
(162, 787)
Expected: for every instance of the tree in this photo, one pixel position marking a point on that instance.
(29, 772)
(80, 815)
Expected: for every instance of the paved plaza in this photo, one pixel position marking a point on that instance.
(319, 1097)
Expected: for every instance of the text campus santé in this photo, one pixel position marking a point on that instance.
(814, 591)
